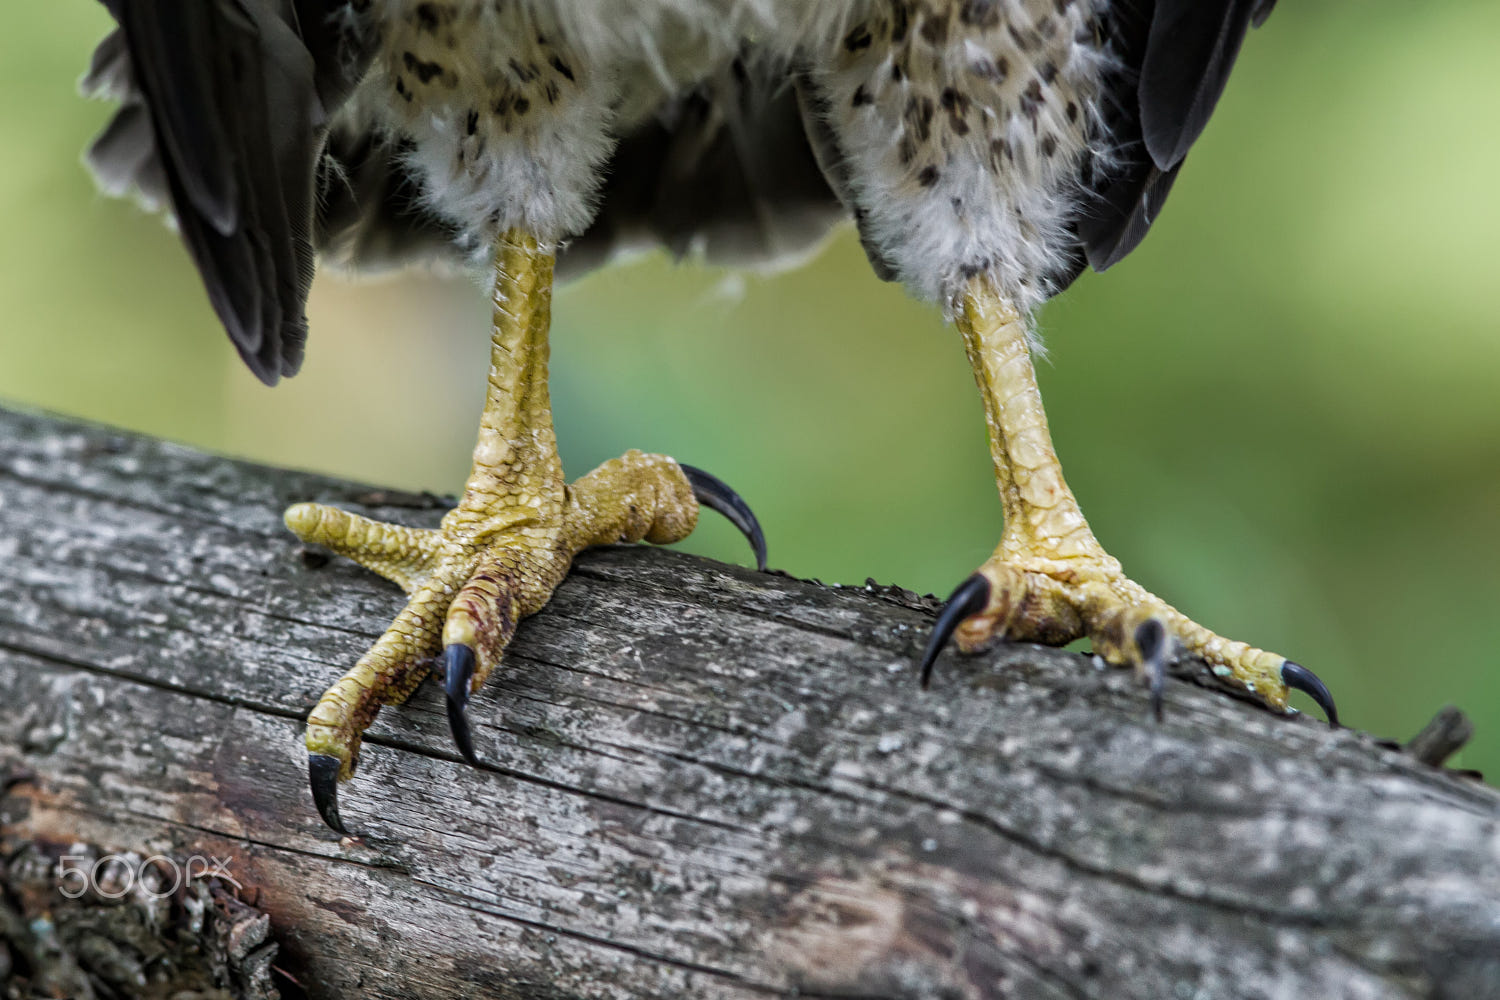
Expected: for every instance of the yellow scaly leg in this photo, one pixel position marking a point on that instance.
(1049, 579)
(499, 554)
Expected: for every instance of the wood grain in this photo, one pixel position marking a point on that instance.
(699, 781)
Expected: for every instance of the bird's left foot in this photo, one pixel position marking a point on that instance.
(1056, 601)
(501, 552)
(1050, 580)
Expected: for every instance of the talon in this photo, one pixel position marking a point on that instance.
(1151, 641)
(458, 674)
(323, 776)
(1295, 675)
(714, 493)
(971, 597)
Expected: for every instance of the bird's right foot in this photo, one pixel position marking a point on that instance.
(500, 553)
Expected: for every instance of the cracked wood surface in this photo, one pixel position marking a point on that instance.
(699, 781)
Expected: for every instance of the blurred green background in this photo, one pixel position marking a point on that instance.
(1281, 413)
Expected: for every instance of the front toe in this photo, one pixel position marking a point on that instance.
(458, 675)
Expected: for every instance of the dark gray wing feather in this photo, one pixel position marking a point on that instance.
(723, 170)
(1189, 53)
(371, 216)
(225, 105)
(1177, 55)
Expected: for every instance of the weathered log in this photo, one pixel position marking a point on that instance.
(698, 781)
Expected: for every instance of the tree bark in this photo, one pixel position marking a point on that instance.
(698, 780)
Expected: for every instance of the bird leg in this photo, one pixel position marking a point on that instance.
(1049, 580)
(499, 554)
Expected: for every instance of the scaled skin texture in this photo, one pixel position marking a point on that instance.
(987, 150)
(500, 553)
(1049, 579)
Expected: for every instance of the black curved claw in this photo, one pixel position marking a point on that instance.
(458, 673)
(971, 597)
(1151, 640)
(1295, 675)
(713, 492)
(323, 776)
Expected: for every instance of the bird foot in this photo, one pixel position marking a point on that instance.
(499, 554)
(1050, 580)
(471, 580)
(1054, 601)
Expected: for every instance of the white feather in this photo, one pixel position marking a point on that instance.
(543, 172)
(1006, 218)
(1009, 219)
